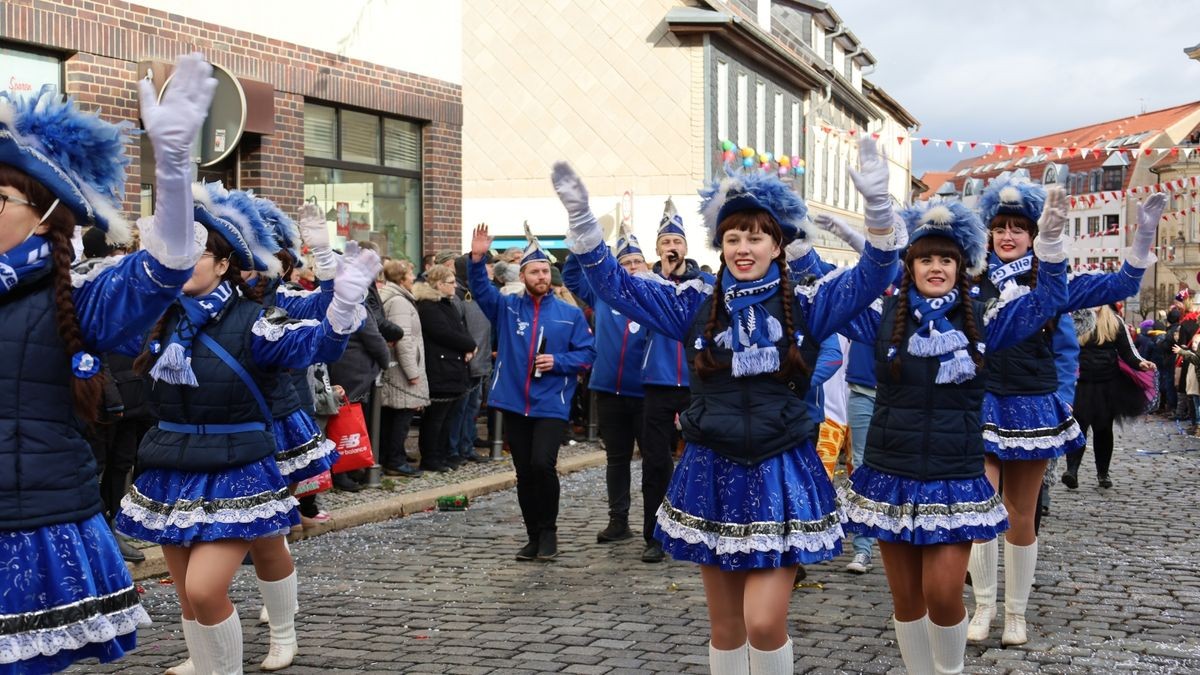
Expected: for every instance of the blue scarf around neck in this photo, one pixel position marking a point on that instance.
(1002, 274)
(936, 336)
(174, 366)
(23, 260)
(754, 350)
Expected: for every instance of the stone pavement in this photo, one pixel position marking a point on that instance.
(1118, 591)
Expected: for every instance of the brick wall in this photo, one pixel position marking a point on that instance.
(102, 43)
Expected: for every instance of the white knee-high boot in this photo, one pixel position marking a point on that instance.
(279, 598)
(982, 566)
(188, 667)
(1019, 565)
(775, 662)
(219, 651)
(913, 639)
(729, 661)
(949, 646)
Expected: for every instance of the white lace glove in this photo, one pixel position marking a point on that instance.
(871, 180)
(1050, 245)
(842, 230)
(583, 230)
(315, 233)
(172, 125)
(357, 272)
(797, 248)
(1149, 214)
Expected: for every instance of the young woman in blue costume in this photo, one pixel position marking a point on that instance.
(750, 501)
(210, 485)
(1029, 387)
(67, 595)
(921, 489)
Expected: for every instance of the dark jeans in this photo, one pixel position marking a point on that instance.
(618, 433)
(435, 434)
(659, 437)
(1102, 446)
(534, 442)
(463, 431)
(395, 425)
(1166, 386)
(115, 447)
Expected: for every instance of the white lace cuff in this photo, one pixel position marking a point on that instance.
(154, 244)
(1140, 262)
(798, 248)
(584, 234)
(894, 240)
(1050, 250)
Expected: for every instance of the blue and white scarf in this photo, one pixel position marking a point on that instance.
(936, 336)
(24, 259)
(1002, 274)
(754, 350)
(175, 364)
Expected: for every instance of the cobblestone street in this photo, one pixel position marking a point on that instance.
(1118, 590)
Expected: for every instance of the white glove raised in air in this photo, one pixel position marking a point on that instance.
(315, 232)
(355, 276)
(1049, 245)
(871, 180)
(583, 230)
(1149, 214)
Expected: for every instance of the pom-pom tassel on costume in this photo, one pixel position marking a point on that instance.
(174, 367)
(755, 360)
(936, 343)
(956, 370)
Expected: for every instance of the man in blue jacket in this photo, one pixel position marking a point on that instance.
(664, 379)
(617, 380)
(541, 345)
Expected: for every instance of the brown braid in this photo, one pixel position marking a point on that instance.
(705, 363)
(900, 323)
(792, 361)
(87, 393)
(971, 328)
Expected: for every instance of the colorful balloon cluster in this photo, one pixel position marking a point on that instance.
(784, 164)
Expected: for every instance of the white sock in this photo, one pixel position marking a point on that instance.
(913, 640)
(220, 648)
(728, 661)
(775, 662)
(982, 566)
(1019, 565)
(949, 646)
(279, 597)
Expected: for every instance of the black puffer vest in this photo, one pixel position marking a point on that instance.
(747, 419)
(221, 398)
(1027, 367)
(921, 429)
(47, 470)
(283, 397)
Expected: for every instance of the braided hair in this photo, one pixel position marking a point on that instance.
(792, 362)
(1017, 221)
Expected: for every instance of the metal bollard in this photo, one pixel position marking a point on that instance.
(375, 472)
(497, 434)
(593, 425)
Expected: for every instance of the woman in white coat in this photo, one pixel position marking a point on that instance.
(405, 387)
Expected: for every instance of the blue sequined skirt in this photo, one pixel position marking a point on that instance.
(920, 512)
(178, 508)
(65, 596)
(302, 451)
(777, 513)
(1029, 427)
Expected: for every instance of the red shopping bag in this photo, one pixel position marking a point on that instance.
(348, 431)
(311, 486)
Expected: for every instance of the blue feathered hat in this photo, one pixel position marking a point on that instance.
(232, 214)
(953, 220)
(287, 234)
(77, 156)
(533, 250)
(1012, 193)
(757, 191)
(627, 245)
(672, 222)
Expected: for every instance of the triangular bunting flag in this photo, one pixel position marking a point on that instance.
(1162, 151)
(949, 143)
(1021, 149)
(875, 135)
(973, 144)
(924, 141)
(1058, 152)
(1084, 153)
(1175, 152)
(1072, 202)
(961, 144)
(899, 140)
(1010, 149)
(1071, 151)
(1147, 151)
(851, 132)
(1187, 152)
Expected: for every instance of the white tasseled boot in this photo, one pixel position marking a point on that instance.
(1019, 565)
(729, 661)
(913, 639)
(188, 667)
(279, 599)
(949, 646)
(219, 651)
(775, 662)
(982, 566)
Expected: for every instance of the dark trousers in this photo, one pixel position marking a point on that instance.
(534, 443)
(620, 427)
(395, 424)
(1102, 446)
(435, 434)
(115, 448)
(659, 436)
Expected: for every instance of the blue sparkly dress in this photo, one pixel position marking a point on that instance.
(750, 491)
(922, 480)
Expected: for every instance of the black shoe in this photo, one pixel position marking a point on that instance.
(129, 552)
(528, 552)
(617, 530)
(482, 443)
(1105, 482)
(456, 462)
(435, 466)
(547, 548)
(411, 459)
(1070, 480)
(345, 483)
(403, 470)
(801, 574)
(478, 459)
(653, 553)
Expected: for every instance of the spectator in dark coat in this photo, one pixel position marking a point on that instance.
(390, 331)
(448, 348)
(464, 434)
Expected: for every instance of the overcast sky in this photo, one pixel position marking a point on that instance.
(1012, 69)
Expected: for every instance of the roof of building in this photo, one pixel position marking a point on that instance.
(934, 180)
